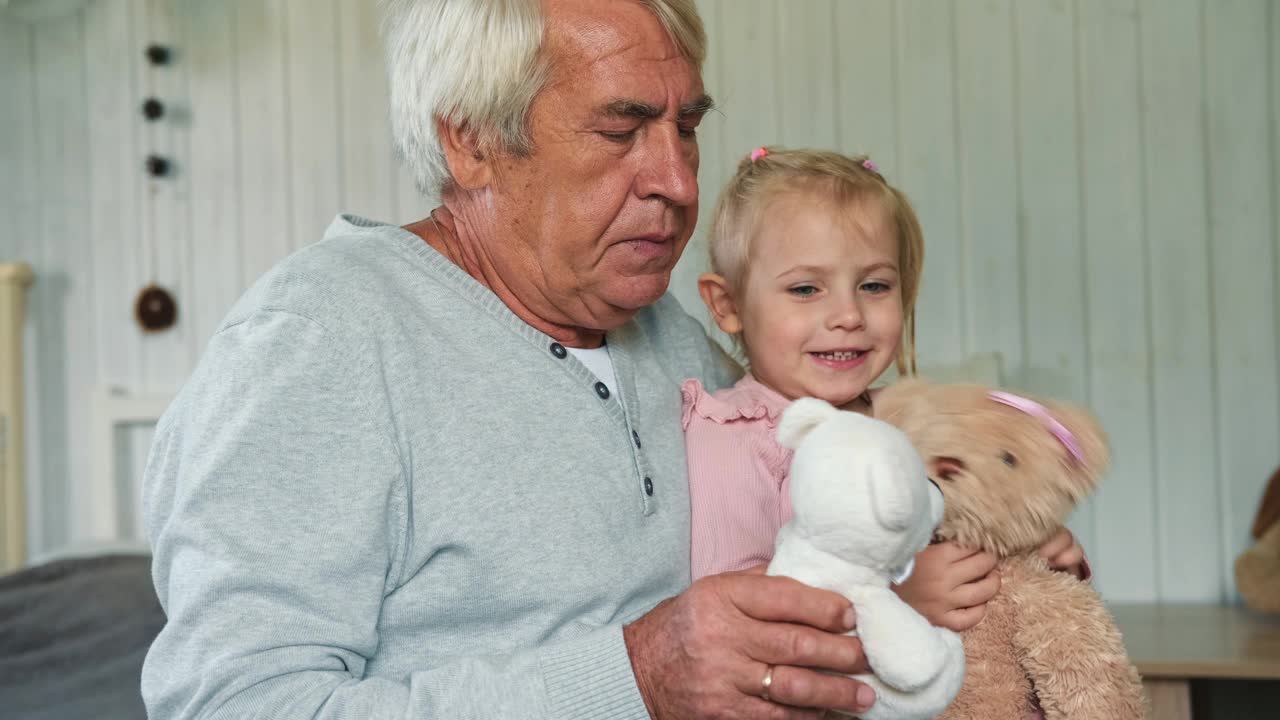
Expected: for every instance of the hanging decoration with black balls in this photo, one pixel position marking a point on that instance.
(158, 54)
(155, 309)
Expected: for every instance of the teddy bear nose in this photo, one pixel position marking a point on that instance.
(946, 468)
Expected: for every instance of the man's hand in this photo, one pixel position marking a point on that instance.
(705, 652)
(1063, 553)
(951, 585)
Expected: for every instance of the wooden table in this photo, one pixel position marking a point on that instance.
(1174, 645)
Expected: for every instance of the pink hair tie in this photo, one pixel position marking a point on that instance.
(870, 165)
(1041, 413)
(758, 153)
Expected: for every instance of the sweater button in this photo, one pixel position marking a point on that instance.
(602, 390)
(558, 350)
(636, 437)
(648, 487)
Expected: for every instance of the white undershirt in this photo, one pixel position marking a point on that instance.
(599, 363)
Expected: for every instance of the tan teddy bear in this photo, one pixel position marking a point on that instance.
(1011, 469)
(1258, 568)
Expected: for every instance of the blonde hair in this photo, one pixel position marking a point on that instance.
(480, 64)
(769, 173)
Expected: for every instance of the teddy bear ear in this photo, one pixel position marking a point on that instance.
(893, 402)
(1088, 433)
(800, 417)
(1269, 510)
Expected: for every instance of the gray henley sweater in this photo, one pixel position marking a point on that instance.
(383, 495)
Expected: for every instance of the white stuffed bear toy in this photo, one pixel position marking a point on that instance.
(864, 506)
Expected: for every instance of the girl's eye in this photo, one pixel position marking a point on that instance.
(1007, 458)
(876, 287)
(802, 290)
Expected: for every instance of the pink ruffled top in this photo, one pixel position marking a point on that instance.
(738, 474)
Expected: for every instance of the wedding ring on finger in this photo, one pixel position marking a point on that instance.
(766, 682)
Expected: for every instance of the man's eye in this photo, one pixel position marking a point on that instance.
(688, 132)
(620, 137)
(803, 290)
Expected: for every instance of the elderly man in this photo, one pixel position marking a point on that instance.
(437, 471)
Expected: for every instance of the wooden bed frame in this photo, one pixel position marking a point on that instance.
(14, 279)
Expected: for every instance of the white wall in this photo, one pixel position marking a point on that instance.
(1097, 181)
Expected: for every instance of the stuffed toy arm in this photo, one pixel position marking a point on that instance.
(918, 668)
(903, 649)
(1071, 650)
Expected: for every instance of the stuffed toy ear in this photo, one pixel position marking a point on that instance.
(1088, 433)
(1269, 511)
(892, 403)
(890, 497)
(800, 417)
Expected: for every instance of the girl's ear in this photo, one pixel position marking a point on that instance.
(715, 293)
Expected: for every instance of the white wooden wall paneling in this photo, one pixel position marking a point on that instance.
(314, 130)
(208, 63)
(116, 175)
(266, 210)
(988, 180)
(866, 94)
(750, 83)
(1242, 262)
(807, 77)
(367, 152)
(927, 155)
(121, 263)
(1119, 352)
(1173, 154)
(62, 298)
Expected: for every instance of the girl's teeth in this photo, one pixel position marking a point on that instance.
(839, 355)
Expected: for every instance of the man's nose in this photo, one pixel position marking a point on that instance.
(671, 167)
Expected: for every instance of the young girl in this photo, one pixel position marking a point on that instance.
(816, 265)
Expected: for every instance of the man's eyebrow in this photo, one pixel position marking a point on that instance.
(646, 111)
(631, 109)
(700, 106)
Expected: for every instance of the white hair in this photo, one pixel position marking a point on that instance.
(478, 64)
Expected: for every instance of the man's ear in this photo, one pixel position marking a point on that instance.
(715, 293)
(469, 162)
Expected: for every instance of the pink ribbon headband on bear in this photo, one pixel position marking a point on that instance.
(1041, 413)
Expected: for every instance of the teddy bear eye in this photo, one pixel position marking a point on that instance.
(1007, 458)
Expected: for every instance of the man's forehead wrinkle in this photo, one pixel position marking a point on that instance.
(590, 40)
(581, 46)
(587, 40)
